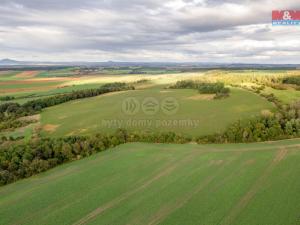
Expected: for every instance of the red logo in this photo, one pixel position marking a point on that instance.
(286, 15)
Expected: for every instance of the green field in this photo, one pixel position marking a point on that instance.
(66, 72)
(238, 184)
(286, 96)
(98, 114)
(28, 85)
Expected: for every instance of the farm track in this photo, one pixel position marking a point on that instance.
(167, 209)
(244, 201)
(141, 185)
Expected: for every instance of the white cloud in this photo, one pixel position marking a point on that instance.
(136, 30)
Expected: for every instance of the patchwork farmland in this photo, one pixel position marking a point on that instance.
(70, 156)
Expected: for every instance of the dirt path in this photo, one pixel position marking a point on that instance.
(244, 201)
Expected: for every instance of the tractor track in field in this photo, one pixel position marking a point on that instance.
(56, 205)
(45, 182)
(287, 147)
(169, 168)
(250, 194)
(165, 211)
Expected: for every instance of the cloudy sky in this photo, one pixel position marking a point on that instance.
(147, 30)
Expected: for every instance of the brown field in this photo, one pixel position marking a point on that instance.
(27, 74)
(50, 127)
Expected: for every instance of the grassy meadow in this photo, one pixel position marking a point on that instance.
(249, 184)
(104, 113)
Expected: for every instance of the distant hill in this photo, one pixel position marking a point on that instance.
(10, 63)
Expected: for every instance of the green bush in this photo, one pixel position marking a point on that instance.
(203, 88)
(213, 88)
(185, 84)
(292, 80)
(7, 98)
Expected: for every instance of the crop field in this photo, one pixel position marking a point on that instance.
(249, 184)
(31, 85)
(196, 114)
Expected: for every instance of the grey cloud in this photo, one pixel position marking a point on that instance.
(157, 30)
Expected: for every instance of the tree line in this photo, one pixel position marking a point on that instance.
(26, 159)
(217, 88)
(19, 161)
(285, 123)
(10, 111)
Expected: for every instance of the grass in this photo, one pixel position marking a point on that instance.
(249, 184)
(286, 96)
(104, 113)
